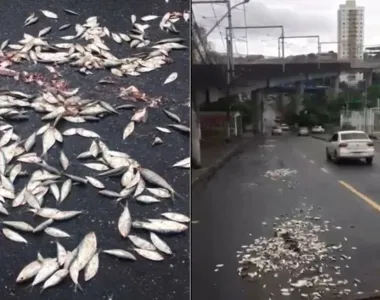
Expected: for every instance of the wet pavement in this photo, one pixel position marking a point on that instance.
(142, 279)
(230, 209)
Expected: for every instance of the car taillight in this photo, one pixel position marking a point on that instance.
(370, 144)
(343, 145)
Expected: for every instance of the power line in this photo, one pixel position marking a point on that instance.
(220, 32)
(246, 29)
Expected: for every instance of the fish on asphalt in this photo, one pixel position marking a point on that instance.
(125, 222)
(120, 253)
(68, 117)
(29, 271)
(14, 236)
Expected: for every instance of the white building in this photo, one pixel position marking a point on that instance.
(350, 36)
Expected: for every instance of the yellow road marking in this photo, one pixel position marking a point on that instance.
(362, 196)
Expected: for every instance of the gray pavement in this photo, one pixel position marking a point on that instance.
(142, 279)
(230, 208)
(216, 153)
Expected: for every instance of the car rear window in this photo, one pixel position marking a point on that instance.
(354, 136)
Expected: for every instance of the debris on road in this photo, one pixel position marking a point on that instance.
(279, 173)
(298, 250)
(60, 105)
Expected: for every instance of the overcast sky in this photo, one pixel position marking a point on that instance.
(299, 17)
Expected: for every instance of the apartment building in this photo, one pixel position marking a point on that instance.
(351, 36)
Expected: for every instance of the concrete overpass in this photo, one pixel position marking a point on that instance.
(260, 76)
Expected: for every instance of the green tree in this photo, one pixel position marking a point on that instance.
(373, 93)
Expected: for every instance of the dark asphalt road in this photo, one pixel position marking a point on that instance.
(142, 279)
(231, 207)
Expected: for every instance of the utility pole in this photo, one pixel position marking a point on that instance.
(365, 107)
(230, 55)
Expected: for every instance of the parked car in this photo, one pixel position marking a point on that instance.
(350, 144)
(276, 130)
(285, 127)
(303, 131)
(318, 129)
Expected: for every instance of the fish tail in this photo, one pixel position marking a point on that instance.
(30, 287)
(116, 201)
(43, 156)
(79, 287)
(178, 195)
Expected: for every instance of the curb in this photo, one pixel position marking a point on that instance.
(319, 138)
(207, 173)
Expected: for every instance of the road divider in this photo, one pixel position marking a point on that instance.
(368, 200)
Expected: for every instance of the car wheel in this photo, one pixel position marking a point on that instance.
(328, 156)
(369, 160)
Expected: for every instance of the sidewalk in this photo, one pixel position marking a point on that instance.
(215, 154)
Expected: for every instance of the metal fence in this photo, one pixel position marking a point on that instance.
(367, 120)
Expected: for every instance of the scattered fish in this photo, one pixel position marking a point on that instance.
(173, 76)
(85, 49)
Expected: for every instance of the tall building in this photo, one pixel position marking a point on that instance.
(350, 36)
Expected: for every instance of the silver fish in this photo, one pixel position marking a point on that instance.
(177, 217)
(180, 127)
(19, 225)
(64, 26)
(66, 189)
(125, 222)
(56, 232)
(61, 253)
(43, 225)
(56, 278)
(92, 267)
(172, 116)
(147, 199)
(141, 243)
(64, 160)
(160, 244)
(120, 253)
(148, 254)
(160, 226)
(14, 236)
(29, 271)
(95, 182)
(49, 267)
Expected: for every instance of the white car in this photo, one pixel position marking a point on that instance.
(350, 144)
(285, 127)
(317, 129)
(303, 131)
(276, 130)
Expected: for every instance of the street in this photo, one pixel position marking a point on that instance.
(242, 201)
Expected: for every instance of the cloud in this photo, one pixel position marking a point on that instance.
(299, 17)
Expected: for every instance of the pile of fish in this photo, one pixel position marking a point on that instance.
(60, 105)
(89, 50)
(279, 173)
(297, 252)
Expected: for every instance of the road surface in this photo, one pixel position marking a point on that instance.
(123, 279)
(230, 208)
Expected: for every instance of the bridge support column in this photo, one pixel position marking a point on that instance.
(280, 102)
(368, 79)
(195, 133)
(298, 99)
(335, 87)
(256, 99)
